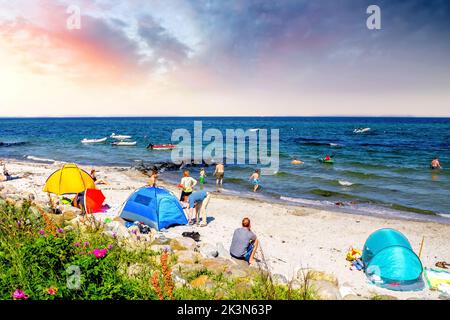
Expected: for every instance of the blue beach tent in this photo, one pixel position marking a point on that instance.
(156, 207)
(390, 261)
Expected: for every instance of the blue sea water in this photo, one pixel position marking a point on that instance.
(384, 171)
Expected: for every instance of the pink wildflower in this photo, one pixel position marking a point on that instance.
(19, 295)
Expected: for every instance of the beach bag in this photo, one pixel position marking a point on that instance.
(194, 235)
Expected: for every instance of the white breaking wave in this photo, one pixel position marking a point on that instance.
(334, 144)
(39, 159)
(252, 130)
(306, 201)
(345, 183)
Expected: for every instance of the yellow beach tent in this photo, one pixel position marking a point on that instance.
(69, 179)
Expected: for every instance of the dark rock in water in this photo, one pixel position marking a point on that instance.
(146, 168)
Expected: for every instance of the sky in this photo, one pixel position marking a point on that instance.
(224, 57)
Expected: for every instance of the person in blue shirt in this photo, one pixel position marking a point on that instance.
(198, 201)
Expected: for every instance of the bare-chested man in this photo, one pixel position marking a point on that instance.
(219, 173)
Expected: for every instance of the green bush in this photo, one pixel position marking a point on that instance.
(38, 258)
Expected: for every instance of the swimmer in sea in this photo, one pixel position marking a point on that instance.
(296, 161)
(435, 164)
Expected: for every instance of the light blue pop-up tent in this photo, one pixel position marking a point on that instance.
(156, 207)
(390, 261)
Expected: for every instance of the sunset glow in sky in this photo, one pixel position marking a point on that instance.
(237, 57)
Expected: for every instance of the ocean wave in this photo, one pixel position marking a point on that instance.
(40, 159)
(12, 144)
(306, 201)
(345, 183)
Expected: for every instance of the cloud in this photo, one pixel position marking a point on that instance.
(164, 46)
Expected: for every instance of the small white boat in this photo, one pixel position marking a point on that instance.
(361, 130)
(119, 137)
(93, 140)
(124, 143)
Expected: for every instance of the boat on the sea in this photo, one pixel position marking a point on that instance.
(85, 140)
(167, 146)
(124, 143)
(361, 130)
(120, 137)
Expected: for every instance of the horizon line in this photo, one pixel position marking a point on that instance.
(222, 116)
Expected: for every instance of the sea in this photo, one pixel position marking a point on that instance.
(383, 171)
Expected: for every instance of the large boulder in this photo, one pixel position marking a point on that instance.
(216, 265)
(188, 257)
(235, 272)
(221, 251)
(208, 250)
(183, 243)
(162, 240)
(183, 270)
(203, 282)
(319, 276)
(326, 290)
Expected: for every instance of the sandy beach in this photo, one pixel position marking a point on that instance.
(291, 236)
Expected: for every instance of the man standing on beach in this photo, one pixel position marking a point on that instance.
(219, 173)
(244, 243)
(198, 201)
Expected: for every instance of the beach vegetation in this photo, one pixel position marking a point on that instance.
(41, 260)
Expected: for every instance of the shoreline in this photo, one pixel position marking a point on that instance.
(291, 236)
(390, 213)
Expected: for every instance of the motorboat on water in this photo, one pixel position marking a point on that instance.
(91, 141)
(119, 137)
(167, 146)
(361, 130)
(124, 143)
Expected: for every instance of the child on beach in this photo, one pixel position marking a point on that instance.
(187, 184)
(201, 178)
(255, 179)
(153, 178)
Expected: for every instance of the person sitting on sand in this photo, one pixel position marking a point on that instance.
(153, 178)
(219, 174)
(244, 243)
(435, 164)
(198, 201)
(255, 179)
(96, 180)
(187, 184)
